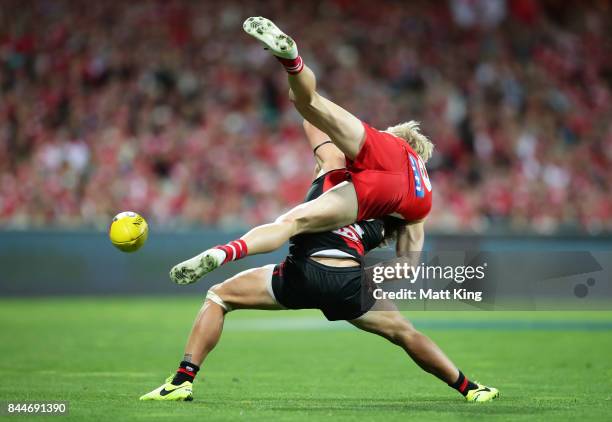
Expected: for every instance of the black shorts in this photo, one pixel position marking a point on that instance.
(339, 292)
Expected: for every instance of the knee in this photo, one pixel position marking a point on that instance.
(296, 221)
(220, 295)
(284, 219)
(217, 289)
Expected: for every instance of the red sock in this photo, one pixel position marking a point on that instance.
(234, 250)
(186, 372)
(292, 66)
(463, 385)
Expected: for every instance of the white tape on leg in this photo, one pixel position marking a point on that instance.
(213, 297)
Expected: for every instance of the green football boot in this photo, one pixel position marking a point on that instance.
(482, 394)
(170, 392)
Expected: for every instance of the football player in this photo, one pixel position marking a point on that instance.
(322, 271)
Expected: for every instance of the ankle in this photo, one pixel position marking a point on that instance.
(463, 385)
(186, 371)
(234, 250)
(292, 66)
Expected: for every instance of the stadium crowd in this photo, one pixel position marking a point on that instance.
(168, 109)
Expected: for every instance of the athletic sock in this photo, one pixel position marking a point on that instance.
(234, 250)
(186, 372)
(292, 66)
(463, 385)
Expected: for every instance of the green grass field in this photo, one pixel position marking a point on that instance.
(102, 354)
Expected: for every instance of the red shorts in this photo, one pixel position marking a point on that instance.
(389, 177)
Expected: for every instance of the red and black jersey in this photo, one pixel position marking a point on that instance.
(354, 240)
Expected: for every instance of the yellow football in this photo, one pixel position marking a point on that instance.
(128, 231)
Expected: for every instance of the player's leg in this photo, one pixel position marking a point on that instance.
(391, 325)
(395, 328)
(250, 289)
(344, 129)
(334, 209)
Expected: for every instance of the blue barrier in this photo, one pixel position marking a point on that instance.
(85, 263)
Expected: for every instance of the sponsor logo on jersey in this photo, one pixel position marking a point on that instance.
(352, 235)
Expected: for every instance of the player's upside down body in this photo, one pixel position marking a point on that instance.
(324, 270)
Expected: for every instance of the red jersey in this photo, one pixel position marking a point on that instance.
(389, 177)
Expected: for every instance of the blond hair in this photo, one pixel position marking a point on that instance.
(410, 132)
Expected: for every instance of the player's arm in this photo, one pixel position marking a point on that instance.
(328, 156)
(410, 240)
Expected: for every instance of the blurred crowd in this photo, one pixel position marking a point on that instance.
(168, 109)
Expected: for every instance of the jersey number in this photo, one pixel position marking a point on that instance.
(421, 178)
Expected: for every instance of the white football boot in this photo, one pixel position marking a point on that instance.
(273, 39)
(190, 271)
